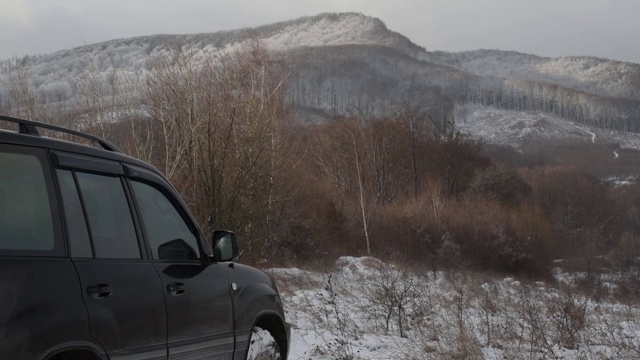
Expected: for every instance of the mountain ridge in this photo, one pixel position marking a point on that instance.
(376, 33)
(327, 29)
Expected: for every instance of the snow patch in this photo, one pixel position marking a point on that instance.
(593, 135)
(350, 314)
(516, 129)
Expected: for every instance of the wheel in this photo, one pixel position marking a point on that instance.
(263, 346)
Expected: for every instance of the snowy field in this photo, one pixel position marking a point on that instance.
(366, 309)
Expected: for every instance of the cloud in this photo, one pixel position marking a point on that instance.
(15, 13)
(47, 29)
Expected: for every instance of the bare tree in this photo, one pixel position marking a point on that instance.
(21, 93)
(416, 121)
(222, 135)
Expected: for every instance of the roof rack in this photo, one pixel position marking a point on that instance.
(30, 127)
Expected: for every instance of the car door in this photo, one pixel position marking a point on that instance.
(199, 309)
(40, 301)
(121, 289)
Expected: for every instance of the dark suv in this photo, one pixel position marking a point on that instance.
(100, 259)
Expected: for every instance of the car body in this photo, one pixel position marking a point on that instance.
(101, 259)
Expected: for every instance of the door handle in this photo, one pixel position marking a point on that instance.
(99, 291)
(175, 288)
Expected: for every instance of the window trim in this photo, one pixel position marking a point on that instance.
(96, 166)
(64, 218)
(62, 160)
(59, 244)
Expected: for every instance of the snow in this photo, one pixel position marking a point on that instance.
(334, 29)
(261, 340)
(352, 312)
(593, 135)
(516, 129)
(511, 128)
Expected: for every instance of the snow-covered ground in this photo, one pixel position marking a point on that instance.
(516, 129)
(366, 309)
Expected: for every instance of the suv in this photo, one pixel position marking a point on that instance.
(100, 259)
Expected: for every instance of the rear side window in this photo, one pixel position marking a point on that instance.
(26, 221)
(110, 222)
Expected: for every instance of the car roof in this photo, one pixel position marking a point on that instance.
(29, 136)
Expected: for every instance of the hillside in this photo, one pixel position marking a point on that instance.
(131, 55)
(588, 74)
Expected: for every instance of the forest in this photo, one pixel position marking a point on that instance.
(406, 186)
(604, 112)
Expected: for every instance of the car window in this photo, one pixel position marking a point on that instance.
(168, 234)
(25, 208)
(110, 222)
(80, 244)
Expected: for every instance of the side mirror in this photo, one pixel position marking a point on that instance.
(225, 245)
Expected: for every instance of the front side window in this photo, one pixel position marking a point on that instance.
(168, 233)
(109, 216)
(26, 222)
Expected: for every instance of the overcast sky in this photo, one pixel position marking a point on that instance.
(602, 28)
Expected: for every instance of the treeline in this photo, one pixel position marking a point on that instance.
(611, 113)
(407, 186)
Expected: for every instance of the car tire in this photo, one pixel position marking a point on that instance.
(263, 346)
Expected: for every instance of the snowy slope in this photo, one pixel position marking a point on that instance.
(353, 312)
(518, 129)
(131, 54)
(589, 74)
(335, 29)
(53, 75)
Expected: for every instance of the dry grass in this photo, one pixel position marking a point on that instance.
(462, 315)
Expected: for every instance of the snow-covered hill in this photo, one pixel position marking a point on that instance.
(366, 309)
(333, 30)
(52, 72)
(53, 76)
(594, 75)
(131, 54)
